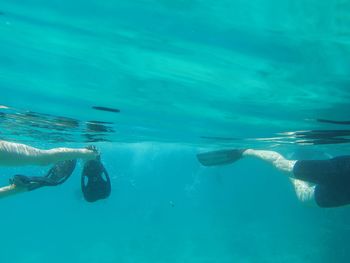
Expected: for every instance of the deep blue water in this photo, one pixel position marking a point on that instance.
(178, 77)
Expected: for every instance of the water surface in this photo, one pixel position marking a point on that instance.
(152, 83)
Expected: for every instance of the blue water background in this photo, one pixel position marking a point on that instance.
(178, 71)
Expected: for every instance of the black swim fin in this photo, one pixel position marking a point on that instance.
(61, 171)
(220, 157)
(58, 174)
(93, 185)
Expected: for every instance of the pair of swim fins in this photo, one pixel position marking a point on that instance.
(95, 181)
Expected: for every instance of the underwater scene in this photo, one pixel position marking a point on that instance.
(170, 94)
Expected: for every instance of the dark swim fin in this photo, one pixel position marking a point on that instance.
(58, 174)
(61, 171)
(221, 157)
(93, 185)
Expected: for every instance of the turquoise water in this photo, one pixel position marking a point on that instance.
(175, 78)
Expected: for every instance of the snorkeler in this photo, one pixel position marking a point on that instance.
(324, 182)
(64, 160)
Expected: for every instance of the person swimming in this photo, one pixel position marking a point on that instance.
(64, 160)
(324, 182)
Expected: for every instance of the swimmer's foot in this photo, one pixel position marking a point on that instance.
(221, 157)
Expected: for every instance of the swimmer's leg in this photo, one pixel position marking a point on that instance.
(57, 175)
(12, 189)
(305, 191)
(276, 159)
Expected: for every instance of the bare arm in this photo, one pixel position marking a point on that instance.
(16, 154)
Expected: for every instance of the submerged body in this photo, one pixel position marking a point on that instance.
(323, 182)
